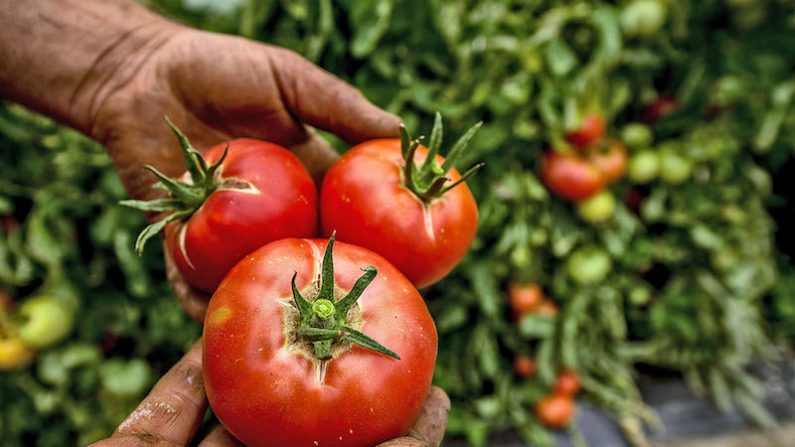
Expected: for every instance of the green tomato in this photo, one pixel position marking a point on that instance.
(640, 296)
(644, 166)
(589, 265)
(643, 18)
(674, 168)
(636, 135)
(597, 208)
(46, 321)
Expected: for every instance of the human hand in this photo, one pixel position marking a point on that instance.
(172, 413)
(217, 87)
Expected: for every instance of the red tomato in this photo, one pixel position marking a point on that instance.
(269, 381)
(659, 109)
(567, 383)
(548, 308)
(555, 411)
(590, 131)
(524, 298)
(524, 366)
(611, 161)
(571, 177)
(225, 207)
(366, 201)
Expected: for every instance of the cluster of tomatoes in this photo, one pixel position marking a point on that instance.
(293, 333)
(556, 409)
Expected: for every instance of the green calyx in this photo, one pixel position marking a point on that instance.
(430, 180)
(184, 197)
(323, 321)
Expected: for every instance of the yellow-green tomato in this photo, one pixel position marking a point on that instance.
(674, 168)
(644, 166)
(598, 208)
(14, 354)
(643, 18)
(46, 321)
(589, 265)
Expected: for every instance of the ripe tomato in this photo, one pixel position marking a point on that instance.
(611, 161)
(591, 130)
(423, 226)
(14, 354)
(524, 298)
(571, 177)
(547, 308)
(252, 193)
(567, 383)
(555, 410)
(659, 109)
(598, 208)
(524, 366)
(279, 365)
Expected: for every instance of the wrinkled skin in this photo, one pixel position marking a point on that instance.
(364, 200)
(269, 389)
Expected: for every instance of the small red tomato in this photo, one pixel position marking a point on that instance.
(567, 383)
(417, 213)
(524, 366)
(524, 298)
(591, 130)
(286, 360)
(237, 197)
(611, 161)
(571, 177)
(547, 308)
(658, 109)
(555, 411)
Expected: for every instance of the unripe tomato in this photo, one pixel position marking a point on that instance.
(598, 208)
(524, 298)
(14, 354)
(589, 265)
(636, 135)
(571, 177)
(567, 383)
(591, 130)
(524, 366)
(644, 166)
(611, 161)
(555, 410)
(47, 321)
(643, 18)
(674, 168)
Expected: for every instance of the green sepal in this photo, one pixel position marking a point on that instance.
(154, 228)
(156, 206)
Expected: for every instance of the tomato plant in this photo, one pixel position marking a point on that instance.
(403, 201)
(567, 383)
(570, 176)
(286, 358)
(555, 410)
(524, 366)
(524, 298)
(235, 198)
(610, 160)
(590, 131)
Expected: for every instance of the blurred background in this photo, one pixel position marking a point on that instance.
(675, 287)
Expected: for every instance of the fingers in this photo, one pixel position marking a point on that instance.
(405, 442)
(219, 437)
(322, 100)
(316, 154)
(432, 422)
(173, 410)
(192, 300)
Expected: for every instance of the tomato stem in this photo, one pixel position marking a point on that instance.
(322, 321)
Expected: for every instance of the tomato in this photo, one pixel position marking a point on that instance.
(643, 18)
(591, 130)
(598, 208)
(640, 296)
(524, 366)
(567, 383)
(571, 177)
(252, 193)
(610, 160)
(644, 166)
(547, 308)
(415, 214)
(674, 168)
(524, 298)
(14, 354)
(46, 321)
(555, 411)
(636, 135)
(659, 109)
(283, 358)
(5, 303)
(589, 265)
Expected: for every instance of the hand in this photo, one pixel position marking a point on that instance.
(217, 87)
(172, 413)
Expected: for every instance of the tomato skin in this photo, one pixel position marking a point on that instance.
(674, 168)
(524, 298)
(48, 321)
(659, 109)
(14, 354)
(611, 162)
(232, 223)
(269, 395)
(591, 130)
(589, 265)
(598, 208)
(555, 410)
(547, 308)
(571, 177)
(524, 366)
(364, 200)
(644, 166)
(567, 384)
